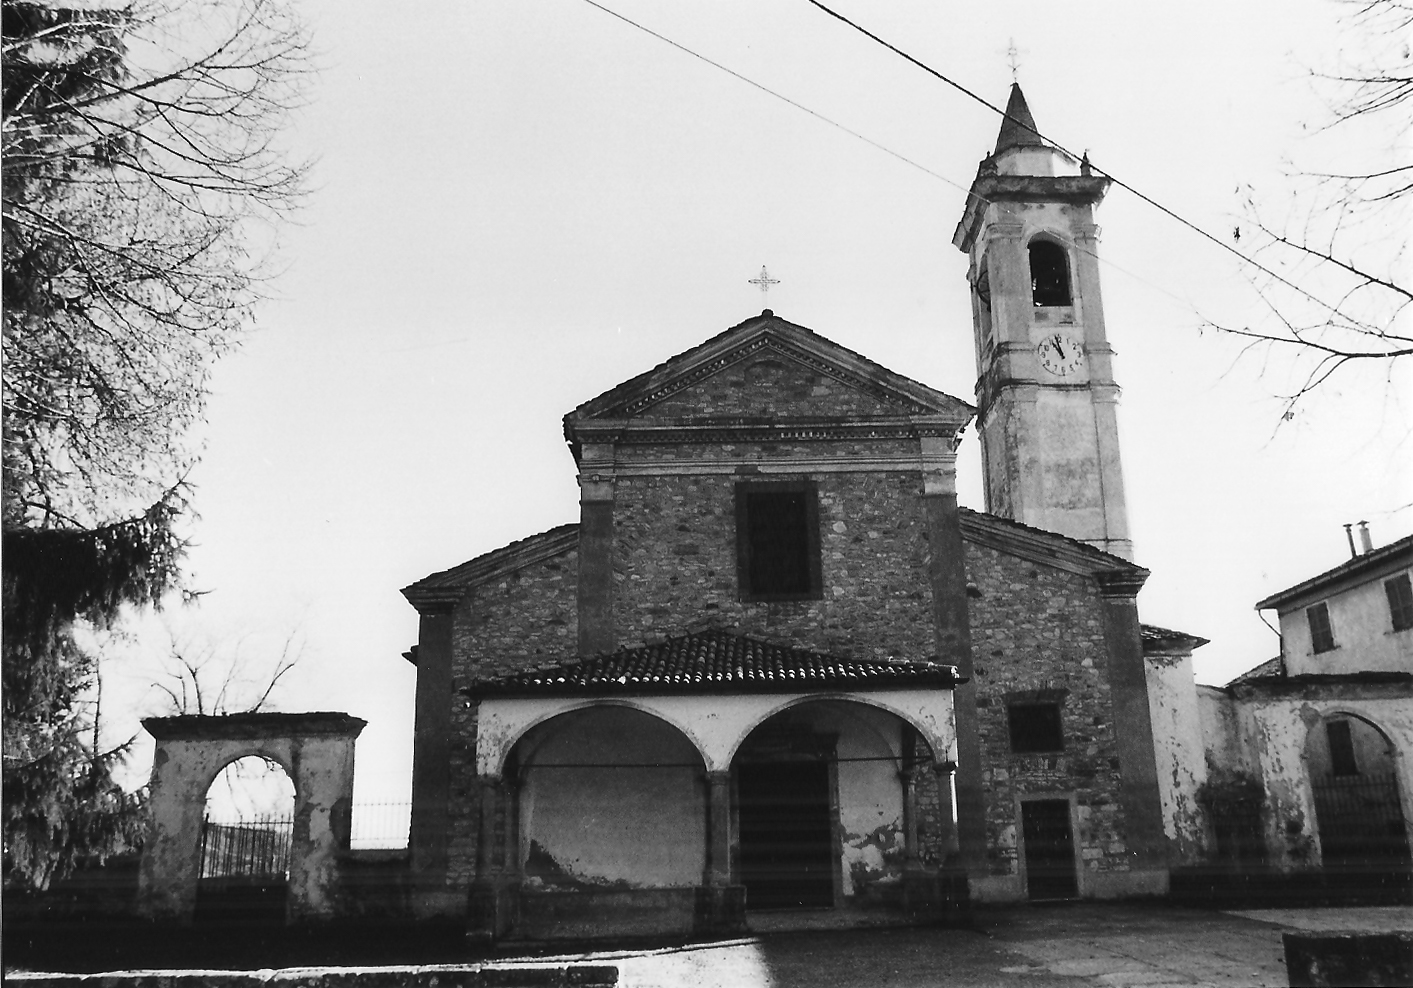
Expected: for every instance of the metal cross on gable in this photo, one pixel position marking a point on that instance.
(764, 281)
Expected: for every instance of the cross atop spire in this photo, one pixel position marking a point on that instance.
(1013, 59)
(1018, 128)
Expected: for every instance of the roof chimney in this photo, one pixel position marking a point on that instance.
(1349, 534)
(1365, 539)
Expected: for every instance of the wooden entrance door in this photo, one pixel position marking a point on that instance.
(786, 834)
(1049, 849)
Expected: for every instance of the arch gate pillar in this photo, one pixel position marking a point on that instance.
(314, 749)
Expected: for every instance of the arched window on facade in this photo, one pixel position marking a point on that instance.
(1049, 274)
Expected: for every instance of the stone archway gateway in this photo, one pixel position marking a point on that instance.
(1358, 805)
(314, 749)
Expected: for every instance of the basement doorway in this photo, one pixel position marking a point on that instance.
(1049, 850)
(786, 834)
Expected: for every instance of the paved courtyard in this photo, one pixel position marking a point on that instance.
(1079, 945)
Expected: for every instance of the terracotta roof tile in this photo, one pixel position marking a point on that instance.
(718, 662)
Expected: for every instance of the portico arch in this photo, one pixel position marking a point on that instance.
(608, 795)
(314, 749)
(830, 796)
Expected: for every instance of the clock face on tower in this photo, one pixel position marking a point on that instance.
(1060, 354)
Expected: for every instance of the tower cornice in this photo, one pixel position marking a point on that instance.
(990, 187)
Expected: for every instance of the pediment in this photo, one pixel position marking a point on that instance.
(767, 369)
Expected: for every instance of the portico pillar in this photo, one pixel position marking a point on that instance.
(721, 906)
(947, 826)
(493, 904)
(912, 857)
(718, 869)
(488, 852)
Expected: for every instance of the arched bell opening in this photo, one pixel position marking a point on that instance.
(246, 834)
(1049, 274)
(608, 797)
(1358, 803)
(834, 801)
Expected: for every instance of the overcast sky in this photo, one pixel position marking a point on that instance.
(519, 205)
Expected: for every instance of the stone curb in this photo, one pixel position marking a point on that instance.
(570, 976)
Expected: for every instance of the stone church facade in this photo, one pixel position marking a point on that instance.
(774, 663)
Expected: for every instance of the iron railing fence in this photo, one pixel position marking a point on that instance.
(1360, 818)
(251, 848)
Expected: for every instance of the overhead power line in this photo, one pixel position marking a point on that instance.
(886, 150)
(1117, 181)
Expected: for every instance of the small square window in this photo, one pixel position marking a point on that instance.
(1321, 634)
(1035, 728)
(777, 541)
(1400, 601)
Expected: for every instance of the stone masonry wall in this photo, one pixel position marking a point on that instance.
(1035, 627)
(675, 564)
(772, 385)
(526, 619)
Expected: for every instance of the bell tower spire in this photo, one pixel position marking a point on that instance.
(1046, 396)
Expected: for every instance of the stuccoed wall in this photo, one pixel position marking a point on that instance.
(1276, 731)
(1035, 627)
(630, 827)
(319, 764)
(1221, 731)
(1180, 752)
(1363, 634)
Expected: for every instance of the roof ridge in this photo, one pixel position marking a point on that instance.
(1069, 540)
(766, 323)
(518, 554)
(716, 659)
(1371, 558)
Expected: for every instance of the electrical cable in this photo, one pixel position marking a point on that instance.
(1186, 302)
(1119, 182)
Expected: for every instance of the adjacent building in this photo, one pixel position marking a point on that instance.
(1325, 729)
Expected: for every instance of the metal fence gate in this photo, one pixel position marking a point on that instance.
(1361, 821)
(244, 870)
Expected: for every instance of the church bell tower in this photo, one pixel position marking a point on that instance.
(1045, 389)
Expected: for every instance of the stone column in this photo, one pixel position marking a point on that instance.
(720, 907)
(952, 624)
(493, 901)
(718, 868)
(947, 810)
(431, 762)
(1139, 793)
(489, 856)
(596, 626)
(911, 857)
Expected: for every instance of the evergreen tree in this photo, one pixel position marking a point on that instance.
(135, 175)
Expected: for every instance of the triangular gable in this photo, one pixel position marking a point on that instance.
(1115, 574)
(767, 364)
(447, 587)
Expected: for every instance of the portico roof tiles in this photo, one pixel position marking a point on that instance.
(717, 662)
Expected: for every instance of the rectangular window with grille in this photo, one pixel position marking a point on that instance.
(1400, 601)
(1341, 748)
(777, 541)
(1035, 728)
(1321, 634)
